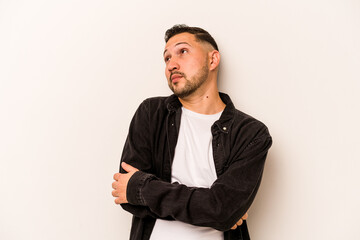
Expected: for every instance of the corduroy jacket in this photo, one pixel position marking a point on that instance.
(240, 145)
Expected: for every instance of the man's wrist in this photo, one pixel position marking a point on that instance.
(136, 183)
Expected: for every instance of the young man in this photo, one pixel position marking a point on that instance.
(192, 163)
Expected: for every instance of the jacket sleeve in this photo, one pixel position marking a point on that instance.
(137, 152)
(219, 206)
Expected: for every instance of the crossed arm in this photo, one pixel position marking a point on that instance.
(221, 206)
(120, 187)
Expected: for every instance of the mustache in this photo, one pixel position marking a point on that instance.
(179, 73)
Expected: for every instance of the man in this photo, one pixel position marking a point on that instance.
(192, 163)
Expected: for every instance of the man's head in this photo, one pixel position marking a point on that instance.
(192, 58)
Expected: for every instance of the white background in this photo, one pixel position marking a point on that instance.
(73, 72)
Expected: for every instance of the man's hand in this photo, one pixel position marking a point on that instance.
(240, 221)
(121, 182)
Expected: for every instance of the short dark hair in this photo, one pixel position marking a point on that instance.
(199, 33)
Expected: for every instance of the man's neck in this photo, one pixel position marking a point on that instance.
(204, 102)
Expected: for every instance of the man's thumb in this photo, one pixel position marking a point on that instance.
(128, 167)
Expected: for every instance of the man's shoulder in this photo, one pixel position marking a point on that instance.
(156, 99)
(159, 102)
(238, 117)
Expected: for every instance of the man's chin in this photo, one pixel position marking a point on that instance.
(177, 92)
(180, 91)
(183, 94)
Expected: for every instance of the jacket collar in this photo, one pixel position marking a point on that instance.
(226, 118)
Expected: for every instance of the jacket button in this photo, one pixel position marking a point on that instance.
(224, 128)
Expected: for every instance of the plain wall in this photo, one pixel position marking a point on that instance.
(73, 73)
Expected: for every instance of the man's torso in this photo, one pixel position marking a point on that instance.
(193, 166)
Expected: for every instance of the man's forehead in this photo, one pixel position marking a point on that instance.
(181, 38)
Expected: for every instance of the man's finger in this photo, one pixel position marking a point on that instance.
(116, 176)
(115, 193)
(114, 185)
(246, 215)
(128, 167)
(239, 222)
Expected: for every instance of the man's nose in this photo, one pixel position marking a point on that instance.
(172, 65)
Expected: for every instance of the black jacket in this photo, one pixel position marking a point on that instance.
(240, 145)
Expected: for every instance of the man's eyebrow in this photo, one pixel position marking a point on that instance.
(178, 44)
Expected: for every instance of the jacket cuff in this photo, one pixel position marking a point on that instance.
(134, 188)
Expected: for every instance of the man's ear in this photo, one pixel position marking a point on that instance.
(214, 57)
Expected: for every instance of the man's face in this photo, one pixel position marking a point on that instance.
(186, 64)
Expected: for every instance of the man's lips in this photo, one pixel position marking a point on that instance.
(175, 77)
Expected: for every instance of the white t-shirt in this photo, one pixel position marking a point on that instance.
(193, 165)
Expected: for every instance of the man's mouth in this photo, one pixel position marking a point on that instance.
(175, 77)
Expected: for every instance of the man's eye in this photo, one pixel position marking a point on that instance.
(184, 51)
(166, 59)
